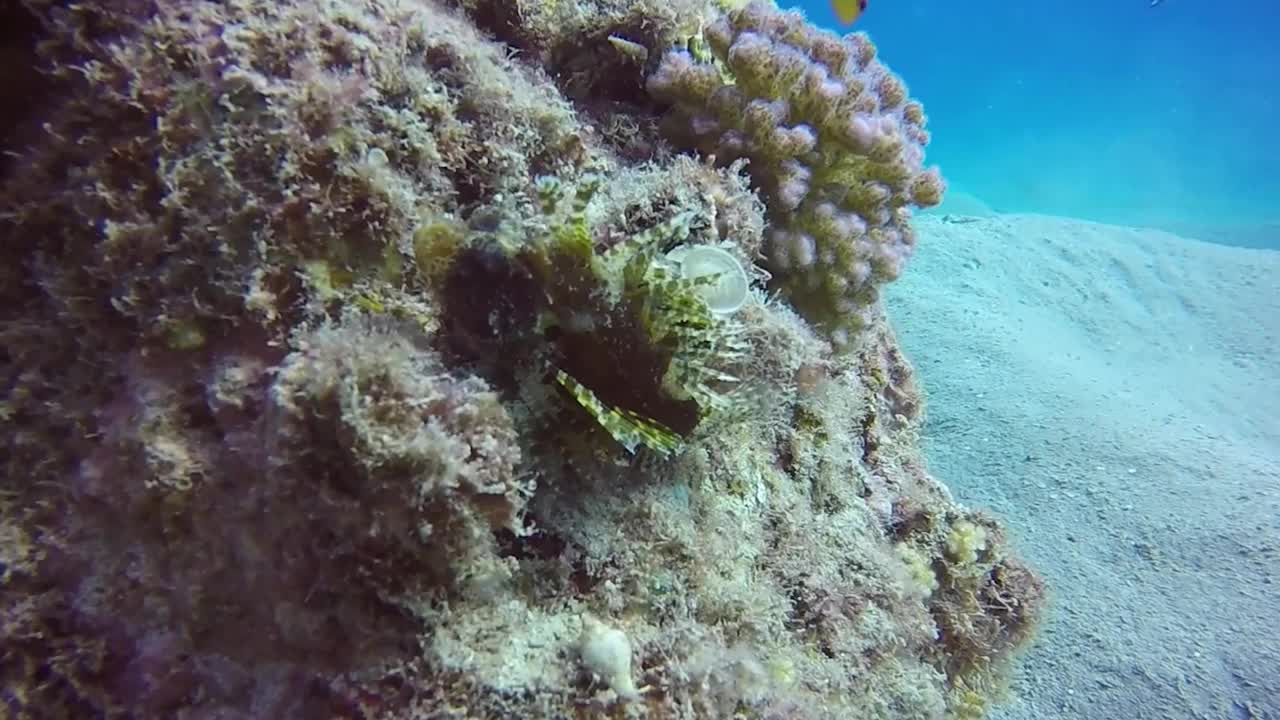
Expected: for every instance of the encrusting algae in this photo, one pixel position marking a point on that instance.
(417, 360)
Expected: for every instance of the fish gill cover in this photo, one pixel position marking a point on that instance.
(354, 368)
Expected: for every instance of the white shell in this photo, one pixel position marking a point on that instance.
(606, 652)
(732, 287)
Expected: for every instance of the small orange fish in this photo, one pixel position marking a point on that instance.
(848, 11)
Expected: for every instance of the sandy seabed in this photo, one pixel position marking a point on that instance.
(1114, 393)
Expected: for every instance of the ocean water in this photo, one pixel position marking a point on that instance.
(1109, 388)
(1110, 110)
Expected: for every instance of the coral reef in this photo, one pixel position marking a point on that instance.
(356, 366)
(834, 145)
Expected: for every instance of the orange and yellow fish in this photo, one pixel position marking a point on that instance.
(848, 11)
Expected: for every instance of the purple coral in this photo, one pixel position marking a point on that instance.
(834, 146)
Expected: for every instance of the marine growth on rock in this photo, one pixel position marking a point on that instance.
(397, 359)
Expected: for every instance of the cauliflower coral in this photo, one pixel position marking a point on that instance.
(833, 144)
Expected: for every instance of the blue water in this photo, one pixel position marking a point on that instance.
(1108, 110)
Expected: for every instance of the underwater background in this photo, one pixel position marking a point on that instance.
(666, 359)
(1108, 110)
(1096, 370)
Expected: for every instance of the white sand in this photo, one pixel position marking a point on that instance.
(1114, 394)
